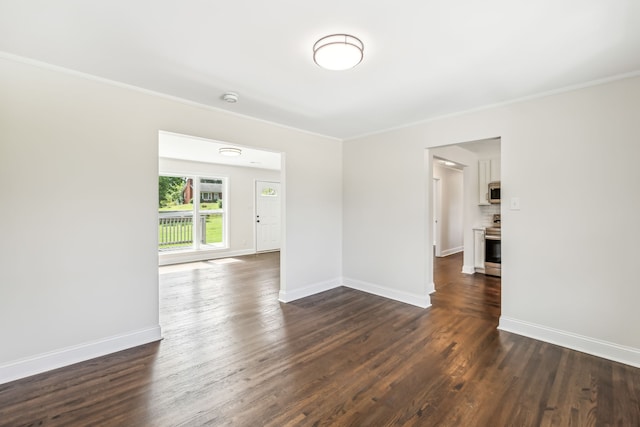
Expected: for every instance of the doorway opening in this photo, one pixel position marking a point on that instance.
(471, 166)
(448, 201)
(208, 208)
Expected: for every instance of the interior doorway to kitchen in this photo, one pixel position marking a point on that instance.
(466, 159)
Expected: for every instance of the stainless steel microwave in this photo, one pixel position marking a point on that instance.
(494, 192)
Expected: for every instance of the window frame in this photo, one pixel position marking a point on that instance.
(196, 244)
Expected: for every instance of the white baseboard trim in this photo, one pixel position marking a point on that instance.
(307, 291)
(267, 251)
(452, 251)
(422, 301)
(468, 269)
(607, 350)
(432, 289)
(79, 353)
(194, 256)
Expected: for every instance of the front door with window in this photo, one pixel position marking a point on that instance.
(267, 216)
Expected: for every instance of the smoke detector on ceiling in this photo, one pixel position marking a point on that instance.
(230, 97)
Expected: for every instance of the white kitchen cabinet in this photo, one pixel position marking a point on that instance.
(484, 177)
(478, 249)
(495, 169)
(488, 171)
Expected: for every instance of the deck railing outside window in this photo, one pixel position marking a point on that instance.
(175, 229)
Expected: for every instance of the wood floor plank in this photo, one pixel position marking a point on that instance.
(234, 355)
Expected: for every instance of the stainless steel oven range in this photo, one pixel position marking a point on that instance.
(493, 248)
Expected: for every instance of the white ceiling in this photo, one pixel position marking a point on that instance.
(423, 58)
(182, 147)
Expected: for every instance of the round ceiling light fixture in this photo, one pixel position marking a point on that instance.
(230, 97)
(230, 151)
(338, 52)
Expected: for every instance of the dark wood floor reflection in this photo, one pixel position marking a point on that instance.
(234, 355)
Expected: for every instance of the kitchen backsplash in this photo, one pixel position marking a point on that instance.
(487, 214)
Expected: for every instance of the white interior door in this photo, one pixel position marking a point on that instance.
(437, 234)
(267, 216)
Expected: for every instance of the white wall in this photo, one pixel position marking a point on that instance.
(568, 255)
(451, 209)
(384, 207)
(78, 254)
(241, 208)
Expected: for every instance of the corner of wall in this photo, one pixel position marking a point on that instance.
(468, 269)
(288, 296)
(422, 301)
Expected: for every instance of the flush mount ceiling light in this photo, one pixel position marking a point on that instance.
(447, 163)
(230, 151)
(338, 52)
(230, 97)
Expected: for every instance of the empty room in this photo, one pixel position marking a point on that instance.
(277, 213)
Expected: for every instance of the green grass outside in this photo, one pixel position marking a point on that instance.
(189, 207)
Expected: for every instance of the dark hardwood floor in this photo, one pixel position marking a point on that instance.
(234, 355)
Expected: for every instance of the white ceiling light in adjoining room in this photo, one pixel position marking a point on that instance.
(338, 52)
(230, 151)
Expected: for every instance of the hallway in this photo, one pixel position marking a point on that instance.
(469, 294)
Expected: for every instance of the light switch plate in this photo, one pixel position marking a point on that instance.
(515, 203)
